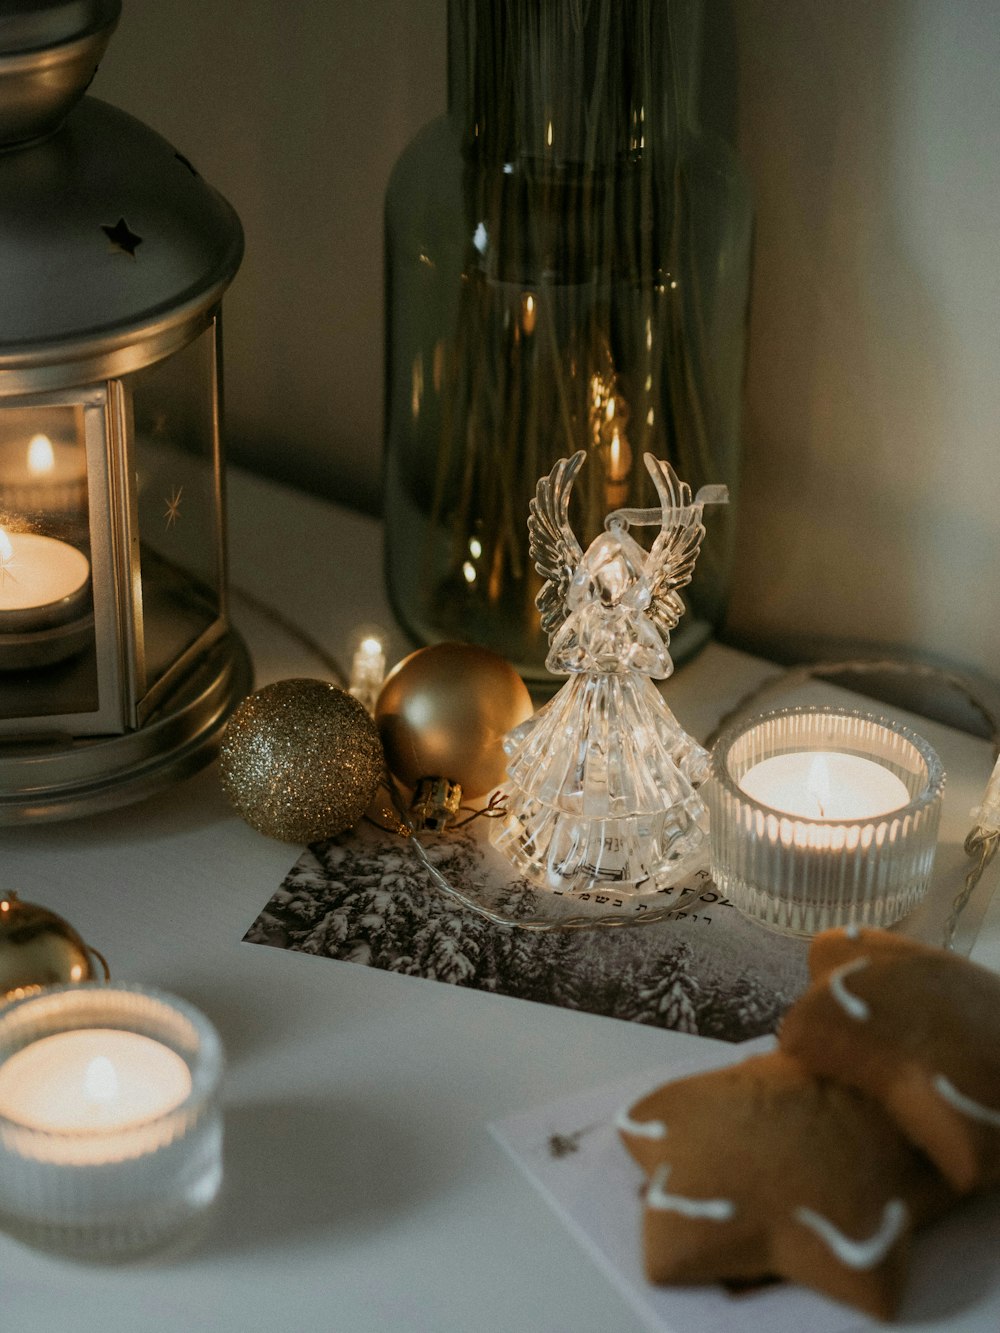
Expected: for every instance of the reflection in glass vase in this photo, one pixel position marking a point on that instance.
(567, 261)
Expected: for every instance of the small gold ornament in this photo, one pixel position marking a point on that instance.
(301, 760)
(38, 949)
(443, 713)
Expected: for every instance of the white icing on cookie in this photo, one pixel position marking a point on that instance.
(714, 1210)
(862, 1254)
(640, 1129)
(852, 1004)
(974, 1110)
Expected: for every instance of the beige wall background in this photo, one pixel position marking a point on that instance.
(871, 508)
(296, 113)
(871, 130)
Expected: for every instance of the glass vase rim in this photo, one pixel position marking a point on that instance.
(923, 800)
(206, 1065)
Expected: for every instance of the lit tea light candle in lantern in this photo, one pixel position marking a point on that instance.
(45, 474)
(825, 784)
(43, 581)
(92, 1079)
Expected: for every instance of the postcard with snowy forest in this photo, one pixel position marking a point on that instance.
(366, 898)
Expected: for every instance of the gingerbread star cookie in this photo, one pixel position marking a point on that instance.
(763, 1169)
(916, 1028)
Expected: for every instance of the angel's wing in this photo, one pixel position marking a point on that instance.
(672, 556)
(554, 549)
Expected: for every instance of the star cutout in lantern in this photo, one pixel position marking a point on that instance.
(172, 511)
(186, 163)
(122, 237)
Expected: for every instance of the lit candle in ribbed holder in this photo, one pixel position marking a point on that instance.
(823, 817)
(110, 1129)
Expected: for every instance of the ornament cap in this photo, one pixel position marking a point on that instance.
(435, 804)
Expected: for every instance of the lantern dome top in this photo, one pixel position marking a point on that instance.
(113, 250)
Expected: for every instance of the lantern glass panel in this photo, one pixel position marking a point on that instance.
(174, 408)
(48, 657)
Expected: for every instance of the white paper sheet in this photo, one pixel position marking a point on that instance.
(571, 1152)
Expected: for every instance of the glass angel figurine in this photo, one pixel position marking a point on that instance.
(602, 781)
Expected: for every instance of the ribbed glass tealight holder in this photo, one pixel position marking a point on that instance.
(110, 1124)
(802, 853)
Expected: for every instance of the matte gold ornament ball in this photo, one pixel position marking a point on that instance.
(444, 711)
(301, 760)
(39, 948)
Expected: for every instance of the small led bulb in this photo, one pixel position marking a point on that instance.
(367, 664)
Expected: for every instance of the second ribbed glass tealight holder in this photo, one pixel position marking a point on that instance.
(110, 1123)
(823, 817)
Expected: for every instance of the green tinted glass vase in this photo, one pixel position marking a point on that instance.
(567, 261)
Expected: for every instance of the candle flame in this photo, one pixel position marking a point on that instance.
(6, 549)
(528, 313)
(100, 1082)
(41, 456)
(818, 783)
(619, 457)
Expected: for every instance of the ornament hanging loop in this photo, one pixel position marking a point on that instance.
(96, 953)
(665, 515)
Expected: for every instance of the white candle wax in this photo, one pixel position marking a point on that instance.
(92, 1079)
(38, 573)
(825, 784)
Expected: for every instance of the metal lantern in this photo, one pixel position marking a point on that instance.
(118, 668)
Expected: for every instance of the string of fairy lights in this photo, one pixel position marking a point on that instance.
(368, 666)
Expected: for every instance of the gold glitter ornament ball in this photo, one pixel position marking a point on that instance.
(301, 760)
(443, 712)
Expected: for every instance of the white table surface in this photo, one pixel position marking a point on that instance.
(362, 1188)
